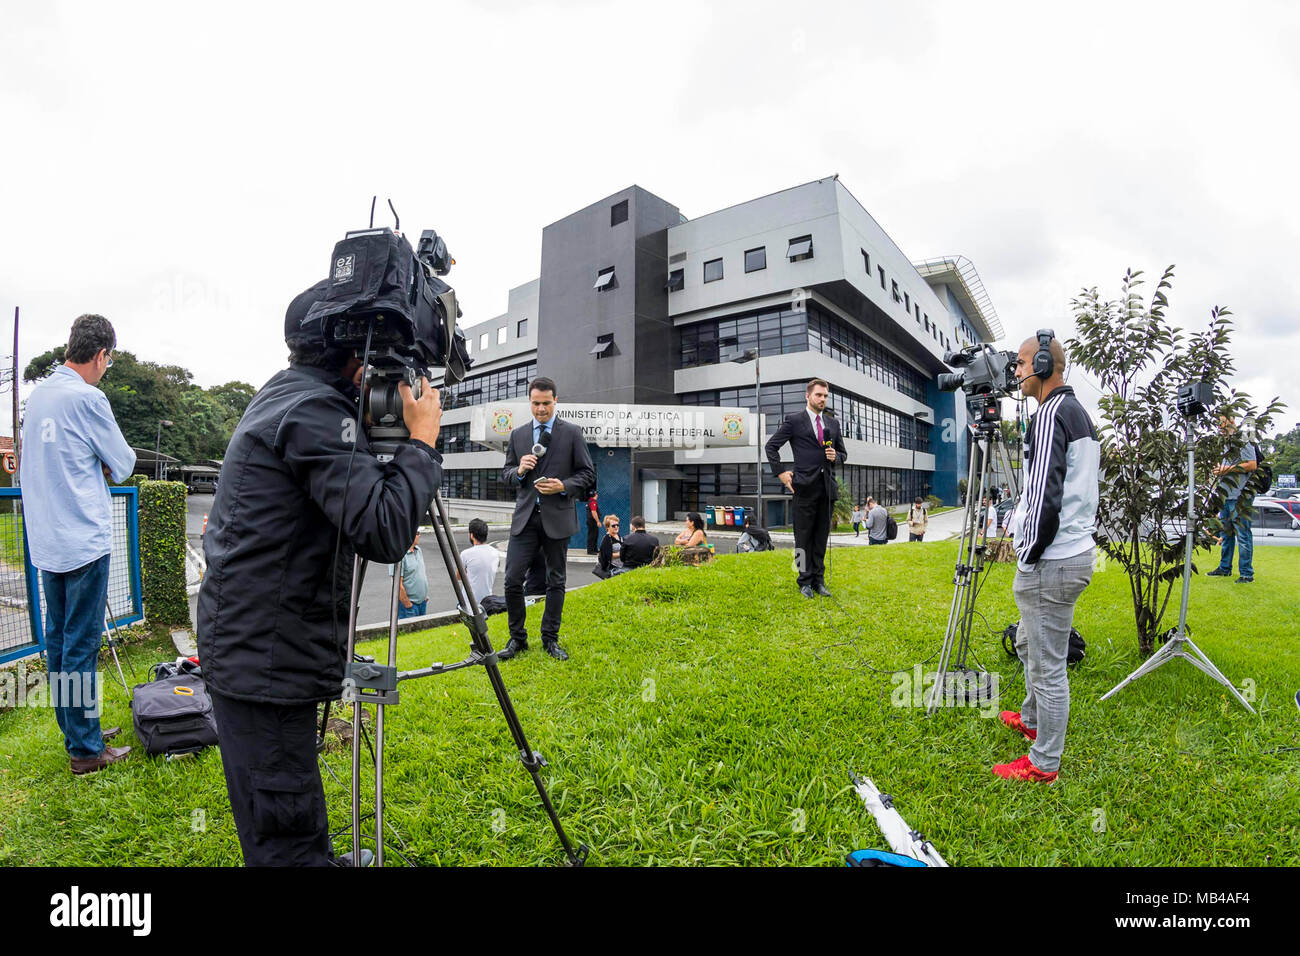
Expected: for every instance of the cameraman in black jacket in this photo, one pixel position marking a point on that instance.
(267, 643)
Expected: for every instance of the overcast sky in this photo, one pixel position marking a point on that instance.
(185, 170)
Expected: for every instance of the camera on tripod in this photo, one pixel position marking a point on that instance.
(388, 300)
(987, 376)
(984, 371)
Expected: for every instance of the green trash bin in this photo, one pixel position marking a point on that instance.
(708, 516)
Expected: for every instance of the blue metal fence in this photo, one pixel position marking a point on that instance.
(22, 605)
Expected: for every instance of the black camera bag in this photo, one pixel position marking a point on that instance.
(1077, 651)
(173, 715)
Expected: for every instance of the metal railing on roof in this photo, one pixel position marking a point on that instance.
(974, 288)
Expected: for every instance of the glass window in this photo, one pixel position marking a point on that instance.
(501, 335)
(756, 259)
(800, 249)
(713, 270)
(866, 261)
(881, 270)
(604, 279)
(483, 341)
(676, 279)
(618, 213)
(521, 328)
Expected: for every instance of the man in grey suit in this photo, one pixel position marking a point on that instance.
(547, 485)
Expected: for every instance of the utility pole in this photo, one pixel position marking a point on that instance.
(17, 431)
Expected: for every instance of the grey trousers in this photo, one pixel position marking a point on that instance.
(1046, 597)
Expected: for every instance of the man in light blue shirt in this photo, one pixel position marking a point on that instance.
(71, 443)
(413, 590)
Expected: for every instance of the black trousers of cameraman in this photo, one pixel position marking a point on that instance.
(268, 752)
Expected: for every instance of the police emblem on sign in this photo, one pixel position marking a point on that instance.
(343, 267)
(733, 427)
(503, 421)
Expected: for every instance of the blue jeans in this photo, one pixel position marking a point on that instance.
(75, 602)
(416, 609)
(1236, 532)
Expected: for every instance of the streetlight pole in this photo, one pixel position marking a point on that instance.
(157, 449)
(916, 436)
(752, 355)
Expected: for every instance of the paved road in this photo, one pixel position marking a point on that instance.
(376, 592)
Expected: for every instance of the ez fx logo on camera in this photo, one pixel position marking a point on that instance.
(344, 266)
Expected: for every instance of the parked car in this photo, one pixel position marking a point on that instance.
(202, 486)
(1005, 507)
(1273, 520)
(1290, 504)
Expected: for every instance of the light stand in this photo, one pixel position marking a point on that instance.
(110, 629)
(1180, 645)
(954, 678)
(367, 682)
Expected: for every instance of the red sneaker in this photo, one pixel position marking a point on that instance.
(1022, 769)
(1012, 719)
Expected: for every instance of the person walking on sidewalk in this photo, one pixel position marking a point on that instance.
(917, 519)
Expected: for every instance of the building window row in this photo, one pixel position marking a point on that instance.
(860, 418)
(732, 483)
(454, 440)
(492, 386)
(784, 331)
(797, 250)
(485, 338)
(832, 336)
(480, 484)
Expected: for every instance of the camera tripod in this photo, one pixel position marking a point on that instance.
(1174, 647)
(974, 685)
(369, 682)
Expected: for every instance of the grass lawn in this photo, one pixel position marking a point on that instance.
(712, 716)
(11, 535)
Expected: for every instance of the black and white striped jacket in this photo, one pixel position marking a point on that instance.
(1057, 512)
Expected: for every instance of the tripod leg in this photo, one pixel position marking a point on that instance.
(112, 647)
(379, 723)
(966, 551)
(358, 572)
(480, 642)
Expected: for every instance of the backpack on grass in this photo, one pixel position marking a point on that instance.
(1078, 648)
(173, 715)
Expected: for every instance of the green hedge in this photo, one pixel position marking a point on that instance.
(162, 552)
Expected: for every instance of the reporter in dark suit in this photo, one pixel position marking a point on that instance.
(817, 444)
(546, 487)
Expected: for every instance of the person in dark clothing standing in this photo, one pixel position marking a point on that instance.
(267, 641)
(546, 485)
(817, 444)
(638, 548)
(593, 524)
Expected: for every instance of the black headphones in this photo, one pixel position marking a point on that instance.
(1043, 364)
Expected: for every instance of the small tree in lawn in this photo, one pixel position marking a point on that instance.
(1141, 359)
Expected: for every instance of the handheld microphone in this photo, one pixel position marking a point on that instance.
(539, 448)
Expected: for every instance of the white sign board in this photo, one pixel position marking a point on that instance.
(1286, 481)
(626, 426)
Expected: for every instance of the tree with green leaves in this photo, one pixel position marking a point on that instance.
(144, 393)
(1141, 358)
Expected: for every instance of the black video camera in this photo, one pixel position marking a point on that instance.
(984, 371)
(388, 300)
